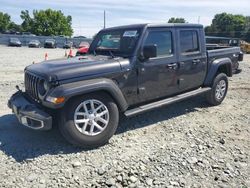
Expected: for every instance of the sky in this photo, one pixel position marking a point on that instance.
(87, 16)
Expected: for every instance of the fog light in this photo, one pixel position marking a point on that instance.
(55, 100)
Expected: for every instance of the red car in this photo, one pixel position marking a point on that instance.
(83, 48)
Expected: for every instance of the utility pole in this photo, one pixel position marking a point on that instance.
(199, 19)
(104, 19)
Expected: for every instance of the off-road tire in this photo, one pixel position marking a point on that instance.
(74, 136)
(211, 95)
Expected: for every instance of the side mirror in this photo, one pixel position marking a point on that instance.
(149, 51)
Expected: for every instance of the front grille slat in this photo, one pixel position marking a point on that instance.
(31, 85)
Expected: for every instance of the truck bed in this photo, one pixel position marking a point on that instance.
(226, 52)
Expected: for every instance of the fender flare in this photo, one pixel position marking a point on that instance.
(214, 68)
(88, 86)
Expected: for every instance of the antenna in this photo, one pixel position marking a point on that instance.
(104, 19)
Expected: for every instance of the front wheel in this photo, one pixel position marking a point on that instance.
(89, 121)
(219, 90)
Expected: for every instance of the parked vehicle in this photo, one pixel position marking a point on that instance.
(128, 70)
(245, 47)
(68, 44)
(82, 51)
(83, 44)
(15, 42)
(50, 43)
(28, 34)
(79, 37)
(34, 44)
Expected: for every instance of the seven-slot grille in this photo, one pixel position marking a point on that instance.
(31, 85)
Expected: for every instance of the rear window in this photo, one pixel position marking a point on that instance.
(189, 41)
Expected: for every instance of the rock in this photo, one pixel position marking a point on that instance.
(76, 164)
(192, 160)
(32, 177)
(174, 183)
(215, 167)
(132, 185)
(229, 167)
(222, 141)
(42, 181)
(119, 178)
(133, 179)
(110, 182)
(182, 182)
(101, 171)
(119, 169)
(149, 181)
(200, 147)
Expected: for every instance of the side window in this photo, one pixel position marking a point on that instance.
(189, 41)
(163, 41)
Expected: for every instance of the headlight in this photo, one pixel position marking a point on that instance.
(43, 87)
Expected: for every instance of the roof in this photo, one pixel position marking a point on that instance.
(156, 25)
(226, 38)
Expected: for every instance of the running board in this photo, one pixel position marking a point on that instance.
(167, 101)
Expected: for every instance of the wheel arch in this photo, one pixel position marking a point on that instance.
(76, 89)
(223, 65)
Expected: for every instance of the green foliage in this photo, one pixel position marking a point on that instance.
(4, 21)
(47, 22)
(27, 24)
(229, 25)
(177, 20)
(43, 22)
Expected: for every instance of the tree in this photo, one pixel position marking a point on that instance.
(227, 25)
(47, 22)
(177, 20)
(4, 21)
(15, 27)
(27, 24)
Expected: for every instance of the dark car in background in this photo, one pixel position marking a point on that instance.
(50, 43)
(34, 44)
(15, 42)
(68, 44)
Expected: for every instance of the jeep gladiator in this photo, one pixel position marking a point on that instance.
(128, 70)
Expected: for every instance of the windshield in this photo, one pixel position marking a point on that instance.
(34, 41)
(50, 40)
(14, 39)
(117, 42)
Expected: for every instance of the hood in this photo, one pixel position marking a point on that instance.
(78, 67)
(34, 43)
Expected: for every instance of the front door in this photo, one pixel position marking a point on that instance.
(157, 76)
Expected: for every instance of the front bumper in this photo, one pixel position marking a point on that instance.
(28, 113)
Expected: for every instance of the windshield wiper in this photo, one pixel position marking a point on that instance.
(111, 54)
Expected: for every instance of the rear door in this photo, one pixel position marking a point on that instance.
(192, 58)
(157, 76)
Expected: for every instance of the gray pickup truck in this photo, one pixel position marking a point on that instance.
(128, 70)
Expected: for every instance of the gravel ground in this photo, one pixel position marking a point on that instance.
(187, 144)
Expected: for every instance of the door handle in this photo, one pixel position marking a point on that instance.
(196, 61)
(172, 66)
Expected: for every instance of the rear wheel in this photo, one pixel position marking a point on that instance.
(89, 121)
(219, 90)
